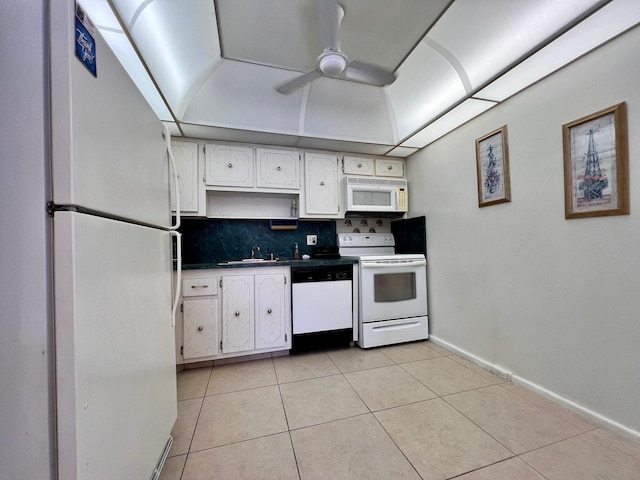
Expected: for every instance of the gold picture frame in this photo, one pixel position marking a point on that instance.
(595, 151)
(492, 164)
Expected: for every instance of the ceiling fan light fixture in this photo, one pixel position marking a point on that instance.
(332, 63)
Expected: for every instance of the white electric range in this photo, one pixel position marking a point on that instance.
(393, 290)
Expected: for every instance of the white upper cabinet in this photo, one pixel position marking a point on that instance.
(358, 165)
(185, 155)
(389, 167)
(277, 169)
(379, 166)
(228, 166)
(321, 185)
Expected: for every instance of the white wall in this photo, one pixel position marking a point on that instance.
(554, 301)
(26, 425)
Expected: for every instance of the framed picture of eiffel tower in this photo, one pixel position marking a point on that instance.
(595, 150)
(492, 163)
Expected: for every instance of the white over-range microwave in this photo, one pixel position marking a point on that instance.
(375, 196)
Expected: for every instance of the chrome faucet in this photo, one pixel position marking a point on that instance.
(255, 251)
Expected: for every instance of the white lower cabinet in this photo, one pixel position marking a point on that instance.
(200, 316)
(237, 313)
(231, 312)
(270, 311)
(200, 328)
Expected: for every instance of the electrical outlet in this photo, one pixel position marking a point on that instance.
(312, 239)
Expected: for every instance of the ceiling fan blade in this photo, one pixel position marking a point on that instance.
(328, 23)
(368, 73)
(291, 86)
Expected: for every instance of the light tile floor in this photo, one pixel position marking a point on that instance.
(411, 411)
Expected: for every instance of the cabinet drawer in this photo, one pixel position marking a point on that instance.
(389, 168)
(197, 287)
(358, 165)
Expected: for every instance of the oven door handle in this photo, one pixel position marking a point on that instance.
(392, 263)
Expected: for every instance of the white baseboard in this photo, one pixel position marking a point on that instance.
(503, 372)
(500, 371)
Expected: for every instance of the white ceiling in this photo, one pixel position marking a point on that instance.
(213, 64)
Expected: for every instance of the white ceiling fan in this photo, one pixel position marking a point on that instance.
(332, 62)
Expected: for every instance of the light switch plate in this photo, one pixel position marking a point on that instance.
(312, 239)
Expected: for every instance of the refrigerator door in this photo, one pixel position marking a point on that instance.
(108, 150)
(115, 360)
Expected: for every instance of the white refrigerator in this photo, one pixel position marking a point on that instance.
(115, 382)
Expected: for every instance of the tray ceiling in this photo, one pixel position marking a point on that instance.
(214, 64)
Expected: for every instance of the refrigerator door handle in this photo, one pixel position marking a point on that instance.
(167, 139)
(176, 299)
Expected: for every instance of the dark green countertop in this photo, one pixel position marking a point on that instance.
(279, 263)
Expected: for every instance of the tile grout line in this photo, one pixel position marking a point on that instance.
(195, 427)
(502, 384)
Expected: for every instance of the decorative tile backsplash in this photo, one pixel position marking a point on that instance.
(207, 240)
(363, 225)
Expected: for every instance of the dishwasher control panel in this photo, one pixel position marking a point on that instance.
(321, 273)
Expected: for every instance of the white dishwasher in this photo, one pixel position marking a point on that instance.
(322, 306)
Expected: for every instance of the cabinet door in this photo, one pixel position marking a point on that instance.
(389, 167)
(270, 311)
(237, 313)
(200, 327)
(277, 169)
(358, 165)
(321, 184)
(185, 155)
(228, 166)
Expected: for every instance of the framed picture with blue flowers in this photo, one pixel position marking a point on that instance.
(595, 150)
(492, 162)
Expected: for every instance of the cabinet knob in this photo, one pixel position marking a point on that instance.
(237, 314)
(390, 167)
(269, 311)
(200, 328)
(278, 168)
(359, 165)
(230, 165)
(322, 184)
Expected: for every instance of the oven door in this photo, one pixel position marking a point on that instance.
(393, 289)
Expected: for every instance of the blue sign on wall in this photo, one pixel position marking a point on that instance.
(85, 47)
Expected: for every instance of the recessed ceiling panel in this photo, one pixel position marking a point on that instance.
(402, 152)
(611, 20)
(487, 36)
(427, 85)
(241, 95)
(347, 111)
(120, 45)
(284, 33)
(179, 41)
(129, 9)
(461, 114)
